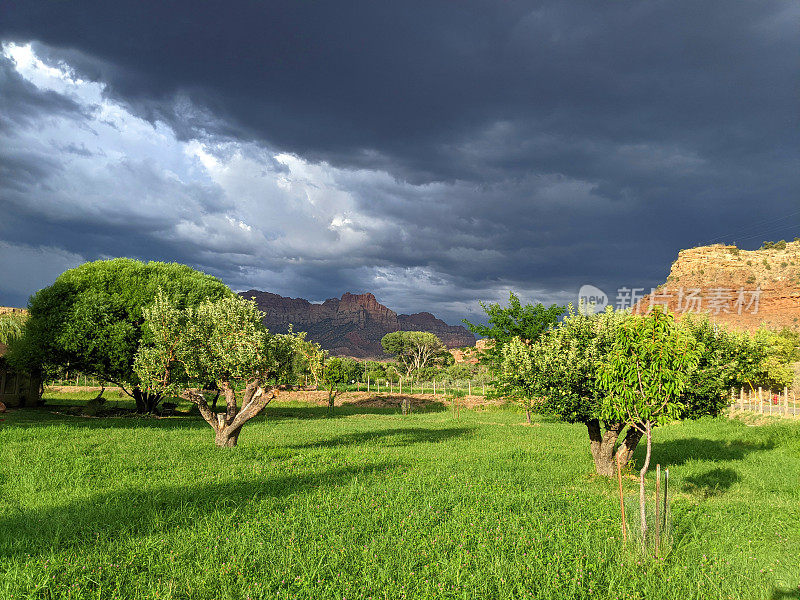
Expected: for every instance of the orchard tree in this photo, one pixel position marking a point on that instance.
(91, 318)
(414, 349)
(644, 376)
(337, 372)
(557, 375)
(222, 341)
(515, 320)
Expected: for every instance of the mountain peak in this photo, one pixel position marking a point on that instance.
(352, 325)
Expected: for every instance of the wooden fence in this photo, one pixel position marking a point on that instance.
(765, 402)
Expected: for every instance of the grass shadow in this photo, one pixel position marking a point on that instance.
(785, 594)
(680, 451)
(401, 436)
(376, 405)
(135, 512)
(711, 483)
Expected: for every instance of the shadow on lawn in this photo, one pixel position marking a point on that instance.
(69, 415)
(399, 436)
(785, 594)
(680, 451)
(381, 406)
(711, 483)
(139, 512)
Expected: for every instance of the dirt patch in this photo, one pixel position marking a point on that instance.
(383, 400)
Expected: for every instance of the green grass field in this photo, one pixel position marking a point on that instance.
(370, 504)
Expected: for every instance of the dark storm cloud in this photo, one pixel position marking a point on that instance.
(21, 102)
(532, 145)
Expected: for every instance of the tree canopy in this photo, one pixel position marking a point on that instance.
(91, 317)
(505, 323)
(223, 342)
(414, 349)
(561, 374)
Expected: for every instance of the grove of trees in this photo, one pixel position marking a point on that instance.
(91, 319)
(582, 370)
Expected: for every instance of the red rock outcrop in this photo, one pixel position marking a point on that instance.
(741, 288)
(352, 325)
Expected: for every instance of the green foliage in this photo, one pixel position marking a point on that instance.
(341, 371)
(558, 374)
(219, 341)
(726, 359)
(515, 320)
(776, 350)
(11, 326)
(414, 349)
(780, 245)
(91, 317)
(647, 369)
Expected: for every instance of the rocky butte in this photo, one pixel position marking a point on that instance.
(741, 288)
(352, 325)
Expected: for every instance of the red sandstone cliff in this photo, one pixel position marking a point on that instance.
(741, 288)
(352, 325)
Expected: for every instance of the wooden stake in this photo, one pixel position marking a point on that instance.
(760, 402)
(666, 504)
(658, 497)
(622, 503)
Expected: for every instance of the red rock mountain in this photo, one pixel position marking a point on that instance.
(744, 289)
(352, 325)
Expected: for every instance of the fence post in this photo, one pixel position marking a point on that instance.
(741, 398)
(786, 401)
(434, 387)
(469, 388)
(760, 401)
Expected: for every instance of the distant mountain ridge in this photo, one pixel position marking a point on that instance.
(352, 325)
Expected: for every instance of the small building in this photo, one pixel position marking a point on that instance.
(17, 388)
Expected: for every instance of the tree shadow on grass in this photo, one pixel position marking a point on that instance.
(132, 513)
(680, 451)
(66, 415)
(785, 593)
(711, 483)
(378, 405)
(57, 416)
(396, 437)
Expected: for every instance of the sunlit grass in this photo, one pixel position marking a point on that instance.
(370, 504)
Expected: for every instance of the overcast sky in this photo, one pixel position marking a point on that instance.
(433, 153)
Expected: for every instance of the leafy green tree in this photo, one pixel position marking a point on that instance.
(776, 351)
(644, 376)
(309, 360)
(513, 321)
(726, 359)
(222, 341)
(91, 318)
(557, 375)
(414, 349)
(337, 373)
(11, 326)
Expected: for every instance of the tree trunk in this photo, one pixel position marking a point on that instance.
(528, 414)
(146, 402)
(228, 425)
(628, 445)
(603, 446)
(642, 499)
(226, 438)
